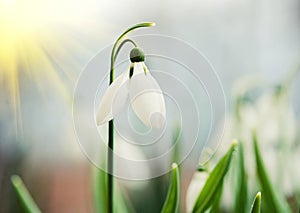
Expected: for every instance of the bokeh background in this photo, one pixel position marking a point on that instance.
(253, 46)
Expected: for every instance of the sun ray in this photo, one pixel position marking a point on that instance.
(38, 39)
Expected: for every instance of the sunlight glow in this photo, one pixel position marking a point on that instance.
(35, 36)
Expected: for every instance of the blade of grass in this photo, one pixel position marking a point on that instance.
(176, 142)
(99, 190)
(256, 204)
(271, 201)
(241, 198)
(100, 195)
(122, 203)
(172, 201)
(216, 203)
(27, 202)
(214, 182)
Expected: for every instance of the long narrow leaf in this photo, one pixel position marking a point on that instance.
(256, 203)
(27, 202)
(172, 201)
(99, 190)
(271, 201)
(122, 202)
(241, 197)
(100, 195)
(214, 182)
(216, 203)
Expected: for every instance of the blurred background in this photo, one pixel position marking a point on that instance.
(254, 47)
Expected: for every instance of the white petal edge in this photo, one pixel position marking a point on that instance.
(146, 98)
(138, 68)
(108, 107)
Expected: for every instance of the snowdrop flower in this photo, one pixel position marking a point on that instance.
(272, 116)
(143, 91)
(195, 187)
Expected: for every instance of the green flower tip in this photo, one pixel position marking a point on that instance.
(234, 142)
(16, 180)
(147, 24)
(174, 165)
(258, 195)
(137, 55)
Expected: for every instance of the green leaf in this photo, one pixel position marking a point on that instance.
(99, 190)
(172, 201)
(27, 202)
(122, 203)
(216, 203)
(256, 203)
(176, 142)
(271, 201)
(214, 182)
(100, 195)
(241, 198)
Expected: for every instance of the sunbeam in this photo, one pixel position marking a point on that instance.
(38, 39)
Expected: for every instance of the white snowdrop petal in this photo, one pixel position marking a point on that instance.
(113, 99)
(138, 68)
(147, 99)
(157, 119)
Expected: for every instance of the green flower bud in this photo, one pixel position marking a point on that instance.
(137, 55)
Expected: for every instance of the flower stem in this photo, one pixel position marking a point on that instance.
(110, 167)
(122, 44)
(27, 201)
(110, 163)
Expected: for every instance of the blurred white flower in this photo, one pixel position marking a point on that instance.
(130, 152)
(194, 189)
(145, 95)
(271, 115)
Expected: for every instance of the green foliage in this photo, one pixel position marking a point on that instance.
(100, 195)
(172, 201)
(217, 200)
(208, 199)
(271, 201)
(214, 183)
(241, 198)
(26, 200)
(99, 190)
(256, 203)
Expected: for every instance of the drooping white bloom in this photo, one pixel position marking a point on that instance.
(144, 93)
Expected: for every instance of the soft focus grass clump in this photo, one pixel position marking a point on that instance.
(251, 186)
(209, 197)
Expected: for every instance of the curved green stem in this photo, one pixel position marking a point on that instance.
(113, 58)
(122, 44)
(110, 164)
